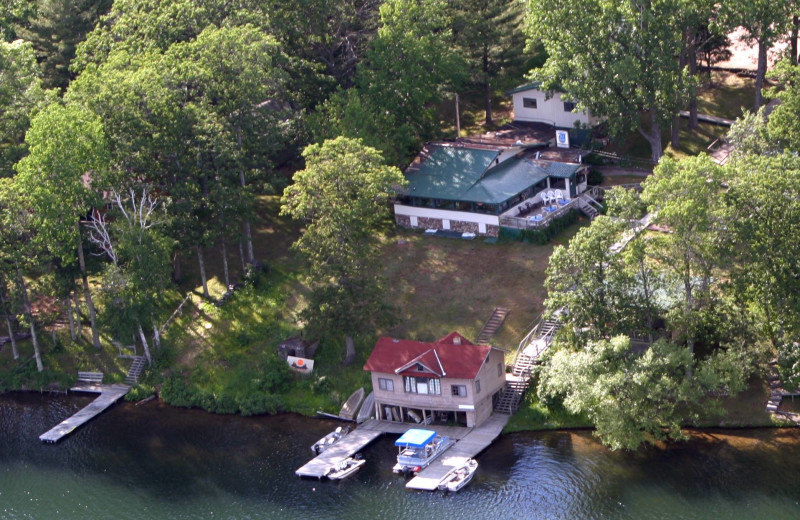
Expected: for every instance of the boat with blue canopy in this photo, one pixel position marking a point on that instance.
(417, 448)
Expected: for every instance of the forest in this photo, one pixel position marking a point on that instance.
(136, 137)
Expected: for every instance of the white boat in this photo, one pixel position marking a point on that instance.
(459, 477)
(345, 468)
(330, 439)
(418, 448)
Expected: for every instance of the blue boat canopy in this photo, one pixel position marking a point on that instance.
(415, 438)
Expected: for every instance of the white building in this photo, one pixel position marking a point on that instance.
(534, 105)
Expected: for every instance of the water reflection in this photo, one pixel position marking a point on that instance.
(158, 462)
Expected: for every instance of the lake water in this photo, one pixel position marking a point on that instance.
(154, 461)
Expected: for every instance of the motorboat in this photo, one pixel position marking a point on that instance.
(345, 468)
(330, 439)
(459, 477)
(418, 448)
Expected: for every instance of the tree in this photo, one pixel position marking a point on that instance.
(586, 283)
(21, 96)
(764, 217)
(19, 255)
(765, 21)
(684, 197)
(14, 13)
(618, 59)
(489, 33)
(342, 196)
(633, 397)
(409, 69)
(783, 126)
(55, 32)
(135, 281)
(68, 158)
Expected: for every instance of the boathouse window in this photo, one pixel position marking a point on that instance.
(386, 384)
(459, 390)
(499, 370)
(422, 385)
(529, 102)
(477, 386)
(420, 368)
(569, 106)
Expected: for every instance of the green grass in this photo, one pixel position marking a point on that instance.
(535, 415)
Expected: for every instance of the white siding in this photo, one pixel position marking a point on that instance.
(461, 216)
(547, 110)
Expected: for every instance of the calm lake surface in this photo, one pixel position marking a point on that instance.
(153, 461)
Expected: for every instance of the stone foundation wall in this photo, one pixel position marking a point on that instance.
(455, 225)
(464, 227)
(429, 223)
(403, 221)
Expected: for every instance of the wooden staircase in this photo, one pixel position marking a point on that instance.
(135, 371)
(589, 206)
(492, 324)
(530, 348)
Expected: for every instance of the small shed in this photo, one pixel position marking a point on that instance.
(297, 347)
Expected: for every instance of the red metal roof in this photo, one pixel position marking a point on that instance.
(451, 356)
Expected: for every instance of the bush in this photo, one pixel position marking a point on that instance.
(595, 177)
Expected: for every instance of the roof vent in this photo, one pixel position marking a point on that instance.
(456, 340)
(518, 143)
(537, 155)
(580, 157)
(395, 340)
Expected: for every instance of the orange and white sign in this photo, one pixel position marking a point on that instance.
(302, 365)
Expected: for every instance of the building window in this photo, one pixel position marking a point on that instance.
(459, 390)
(529, 102)
(499, 370)
(569, 106)
(386, 384)
(477, 386)
(420, 368)
(422, 385)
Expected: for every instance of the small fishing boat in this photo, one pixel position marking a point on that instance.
(459, 477)
(345, 468)
(418, 448)
(330, 439)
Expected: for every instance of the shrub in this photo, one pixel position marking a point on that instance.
(595, 177)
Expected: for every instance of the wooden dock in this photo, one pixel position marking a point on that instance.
(109, 394)
(349, 445)
(468, 447)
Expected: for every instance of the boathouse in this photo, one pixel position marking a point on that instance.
(450, 380)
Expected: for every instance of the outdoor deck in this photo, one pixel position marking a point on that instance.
(470, 445)
(109, 394)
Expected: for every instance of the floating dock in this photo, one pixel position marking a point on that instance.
(345, 447)
(109, 394)
(469, 446)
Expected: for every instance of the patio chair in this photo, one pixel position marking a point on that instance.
(560, 198)
(551, 196)
(545, 199)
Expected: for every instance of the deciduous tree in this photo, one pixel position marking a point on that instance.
(342, 196)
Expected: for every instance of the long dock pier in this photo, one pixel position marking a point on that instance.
(109, 394)
(474, 442)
